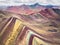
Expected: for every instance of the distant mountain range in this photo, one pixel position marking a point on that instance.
(31, 6)
(34, 9)
(38, 5)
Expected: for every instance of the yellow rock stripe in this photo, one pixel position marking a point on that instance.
(17, 28)
(37, 41)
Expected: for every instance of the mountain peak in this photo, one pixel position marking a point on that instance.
(35, 5)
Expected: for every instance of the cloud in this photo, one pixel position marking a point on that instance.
(28, 2)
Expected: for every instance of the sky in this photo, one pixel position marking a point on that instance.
(28, 2)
